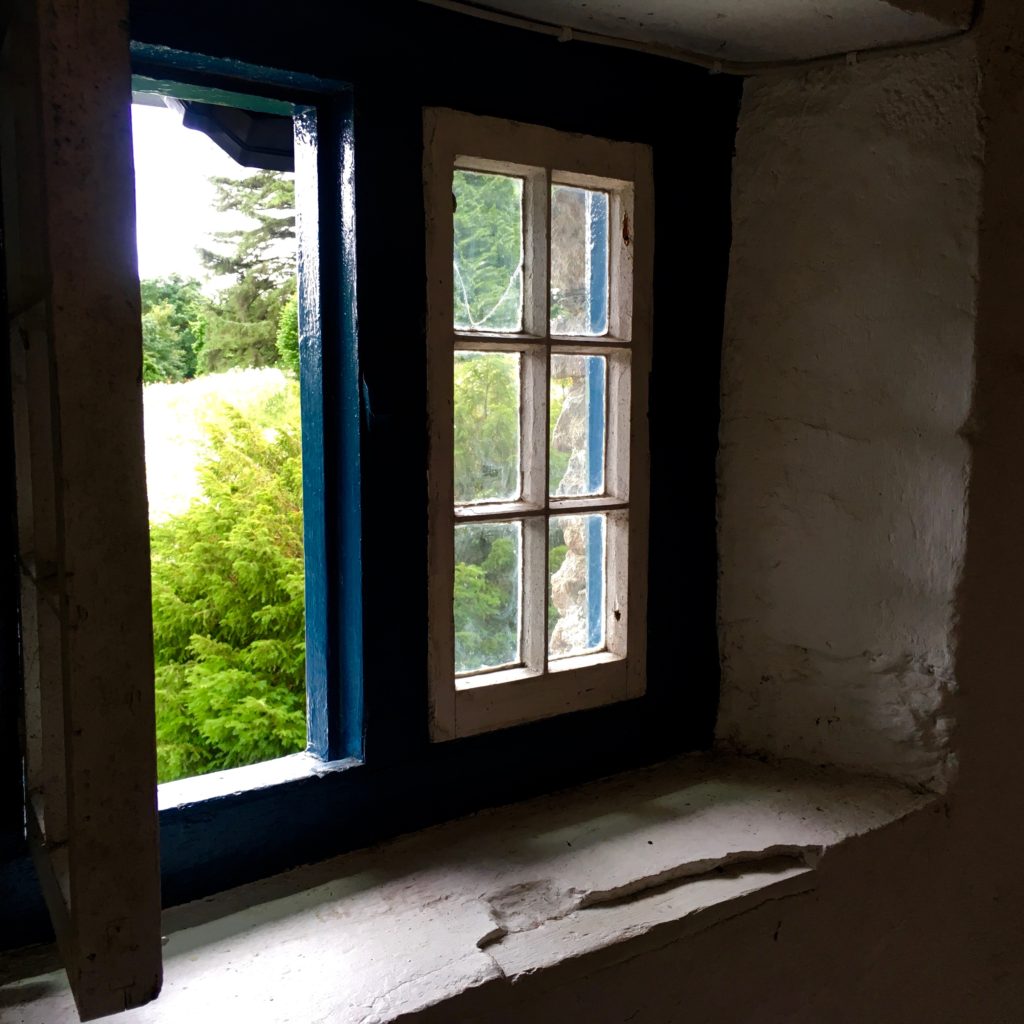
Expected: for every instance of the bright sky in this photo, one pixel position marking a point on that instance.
(173, 197)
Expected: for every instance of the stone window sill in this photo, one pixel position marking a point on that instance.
(614, 867)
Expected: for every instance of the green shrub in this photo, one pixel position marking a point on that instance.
(228, 601)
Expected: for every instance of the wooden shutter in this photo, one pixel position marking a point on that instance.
(76, 360)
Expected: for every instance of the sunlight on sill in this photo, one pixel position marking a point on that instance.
(444, 923)
(264, 775)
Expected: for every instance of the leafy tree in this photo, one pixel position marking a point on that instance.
(260, 260)
(288, 335)
(488, 254)
(163, 358)
(173, 324)
(486, 597)
(228, 601)
(486, 425)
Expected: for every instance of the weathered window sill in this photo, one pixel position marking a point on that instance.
(475, 904)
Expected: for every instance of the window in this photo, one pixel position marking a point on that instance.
(538, 350)
(300, 125)
(88, 704)
(376, 773)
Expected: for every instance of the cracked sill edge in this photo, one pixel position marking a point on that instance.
(728, 835)
(749, 886)
(733, 865)
(748, 891)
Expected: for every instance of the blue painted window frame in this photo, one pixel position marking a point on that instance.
(321, 110)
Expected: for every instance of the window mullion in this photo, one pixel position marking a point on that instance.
(536, 365)
(535, 252)
(534, 415)
(534, 639)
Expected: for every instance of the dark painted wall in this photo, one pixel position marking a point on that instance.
(400, 57)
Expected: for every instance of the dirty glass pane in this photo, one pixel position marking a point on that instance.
(486, 426)
(576, 567)
(579, 261)
(577, 425)
(488, 571)
(488, 257)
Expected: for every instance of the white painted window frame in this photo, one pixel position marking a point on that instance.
(541, 156)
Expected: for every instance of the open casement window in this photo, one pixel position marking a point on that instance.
(85, 635)
(539, 249)
(91, 795)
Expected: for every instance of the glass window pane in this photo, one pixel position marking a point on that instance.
(488, 257)
(579, 261)
(488, 571)
(576, 408)
(486, 427)
(576, 567)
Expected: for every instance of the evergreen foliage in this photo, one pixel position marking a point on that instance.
(260, 260)
(266, 198)
(486, 426)
(486, 596)
(488, 254)
(228, 574)
(173, 324)
(288, 335)
(487, 466)
(228, 601)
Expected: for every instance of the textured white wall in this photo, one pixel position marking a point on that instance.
(847, 382)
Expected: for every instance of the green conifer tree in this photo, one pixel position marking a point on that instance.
(260, 260)
(228, 601)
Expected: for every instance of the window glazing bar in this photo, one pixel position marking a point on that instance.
(597, 288)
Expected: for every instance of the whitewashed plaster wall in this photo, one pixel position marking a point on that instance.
(921, 923)
(847, 384)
